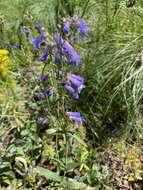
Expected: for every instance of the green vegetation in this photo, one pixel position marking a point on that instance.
(105, 153)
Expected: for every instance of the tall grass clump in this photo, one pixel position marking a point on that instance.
(114, 68)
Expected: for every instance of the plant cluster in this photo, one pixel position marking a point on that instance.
(71, 94)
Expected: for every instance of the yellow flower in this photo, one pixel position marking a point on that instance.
(3, 62)
(3, 52)
(84, 166)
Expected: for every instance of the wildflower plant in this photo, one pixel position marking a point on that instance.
(60, 65)
(53, 119)
(59, 84)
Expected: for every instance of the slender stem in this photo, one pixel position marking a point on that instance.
(107, 6)
(85, 8)
(66, 151)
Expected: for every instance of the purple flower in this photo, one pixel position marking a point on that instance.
(25, 30)
(48, 91)
(42, 78)
(70, 62)
(78, 83)
(45, 54)
(75, 81)
(73, 77)
(70, 89)
(12, 47)
(57, 59)
(76, 117)
(44, 92)
(57, 39)
(42, 120)
(67, 27)
(41, 95)
(75, 58)
(75, 38)
(67, 48)
(38, 26)
(82, 28)
(37, 42)
(19, 46)
(80, 87)
(57, 55)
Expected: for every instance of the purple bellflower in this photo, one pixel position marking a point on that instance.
(37, 42)
(76, 117)
(44, 55)
(42, 120)
(72, 91)
(67, 48)
(25, 31)
(67, 27)
(19, 46)
(44, 92)
(57, 55)
(75, 38)
(41, 95)
(42, 78)
(82, 27)
(78, 83)
(57, 39)
(38, 26)
(48, 91)
(58, 42)
(12, 47)
(75, 78)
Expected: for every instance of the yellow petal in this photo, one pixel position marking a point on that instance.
(3, 52)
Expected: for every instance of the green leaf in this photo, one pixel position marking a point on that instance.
(67, 182)
(51, 131)
(73, 185)
(79, 140)
(47, 173)
(72, 165)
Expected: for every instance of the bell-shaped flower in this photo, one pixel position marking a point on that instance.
(70, 89)
(44, 55)
(74, 85)
(57, 39)
(80, 87)
(57, 55)
(76, 117)
(66, 27)
(78, 81)
(43, 93)
(38, 26)
(75, 38)
(42, 78)
(82, 27)
(12, 47)
(37, 42)
(67, 48)
(42, 120)
(25, 31)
